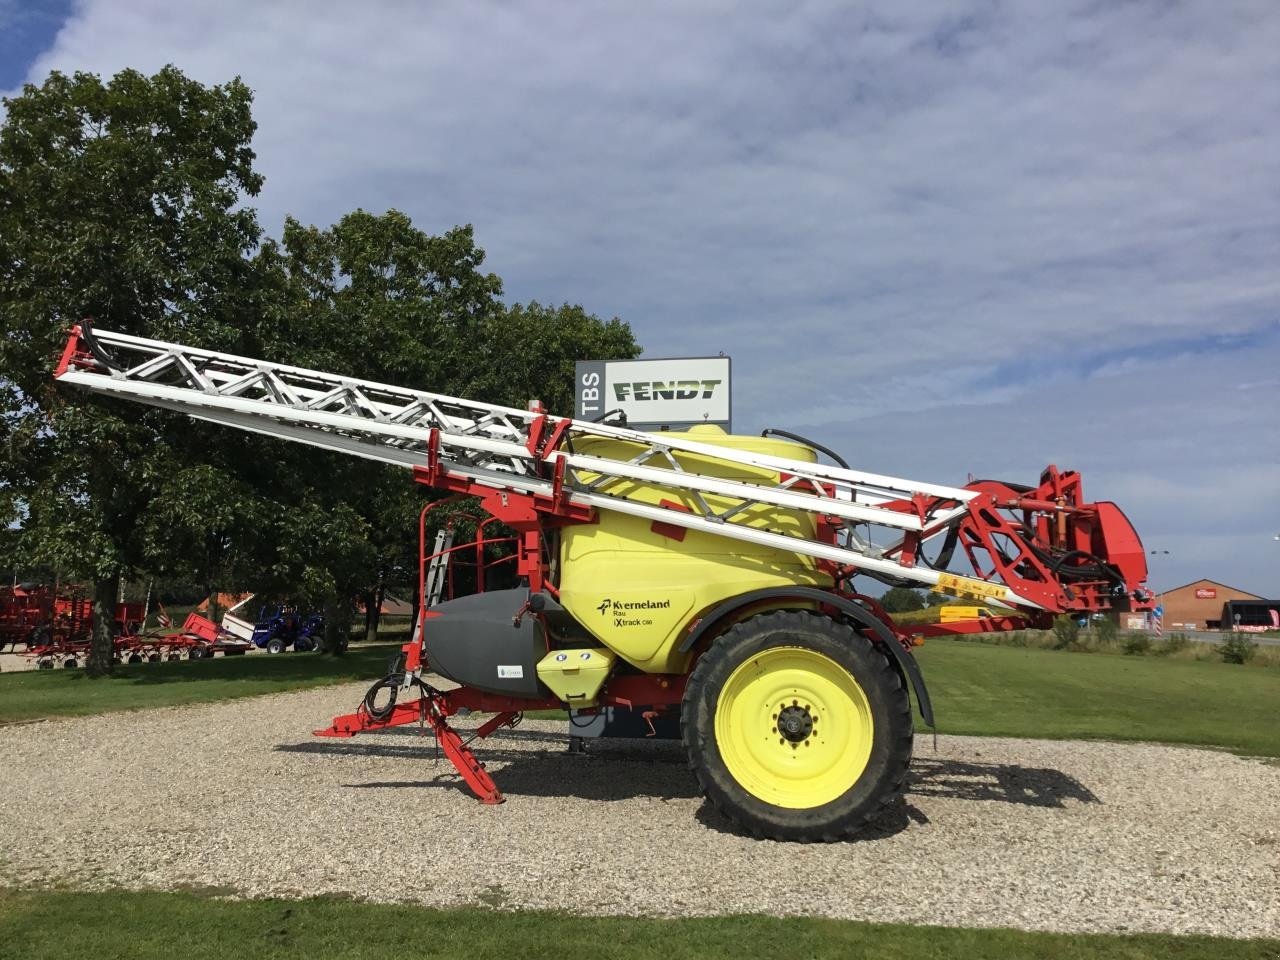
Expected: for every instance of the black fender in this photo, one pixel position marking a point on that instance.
(854, 611)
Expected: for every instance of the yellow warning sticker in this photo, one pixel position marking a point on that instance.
(969, 587)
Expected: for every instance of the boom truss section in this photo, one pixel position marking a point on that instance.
(487, 449)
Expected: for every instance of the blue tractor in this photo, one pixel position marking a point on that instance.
(281, 626)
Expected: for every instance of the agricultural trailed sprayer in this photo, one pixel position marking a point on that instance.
(696, 573)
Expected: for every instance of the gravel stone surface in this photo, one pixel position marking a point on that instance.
(238, 797)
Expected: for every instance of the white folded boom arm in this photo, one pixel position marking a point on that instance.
(496, 446)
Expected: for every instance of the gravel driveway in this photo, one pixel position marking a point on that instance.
(1021, 833)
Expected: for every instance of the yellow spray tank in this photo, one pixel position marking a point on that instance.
(638, 585)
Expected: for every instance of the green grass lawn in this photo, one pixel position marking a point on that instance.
(47, 693)
(977, 689)
(1009, 691)
(114, 926)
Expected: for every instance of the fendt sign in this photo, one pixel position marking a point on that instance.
(655, 394)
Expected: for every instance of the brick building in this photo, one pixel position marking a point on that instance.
(1192, 605)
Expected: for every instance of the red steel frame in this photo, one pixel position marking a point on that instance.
(478, 563)
(1013, 534)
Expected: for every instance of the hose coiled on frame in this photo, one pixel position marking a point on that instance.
(392, 682)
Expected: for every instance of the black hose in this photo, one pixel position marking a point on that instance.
(393, 681)
(622, 417)
(787, 434)
(90, 341)
(888, 579)
(1015, 487)
(1089, 571)
(943, 560)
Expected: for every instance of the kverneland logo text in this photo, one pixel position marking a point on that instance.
(622, 606)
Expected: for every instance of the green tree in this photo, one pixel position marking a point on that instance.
(122, 201)
(125, 201)
(376, 298)
(901, 600)
(206, 525)
(531, 349)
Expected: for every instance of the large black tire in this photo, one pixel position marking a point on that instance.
(275, 645)
(882, 778)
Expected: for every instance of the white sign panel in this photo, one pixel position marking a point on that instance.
(656, 393)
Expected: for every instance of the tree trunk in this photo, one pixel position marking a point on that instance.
(146, 608)
(210, 566)
(102, 645)
(373, 613)
(214, 609)
(369, 614)
(337, 625)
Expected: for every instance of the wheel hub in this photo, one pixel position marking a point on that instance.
(795, 723)
(794, 727)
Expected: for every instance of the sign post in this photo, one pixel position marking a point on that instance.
(671, 394)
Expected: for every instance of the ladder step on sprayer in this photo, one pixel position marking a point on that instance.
(698, 574)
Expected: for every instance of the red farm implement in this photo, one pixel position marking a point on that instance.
(62, 638)
(26, 613)
(53, 625)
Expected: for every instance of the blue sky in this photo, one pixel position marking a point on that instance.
(27, 29)
(945, 239)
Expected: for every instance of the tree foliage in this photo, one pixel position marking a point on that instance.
(118, 200)
(125, 201)
(901, 600)
(377, 298)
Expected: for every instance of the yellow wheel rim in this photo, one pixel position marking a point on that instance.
(794, 728)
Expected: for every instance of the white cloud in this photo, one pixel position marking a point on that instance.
(887, 216)
(1191, 458)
